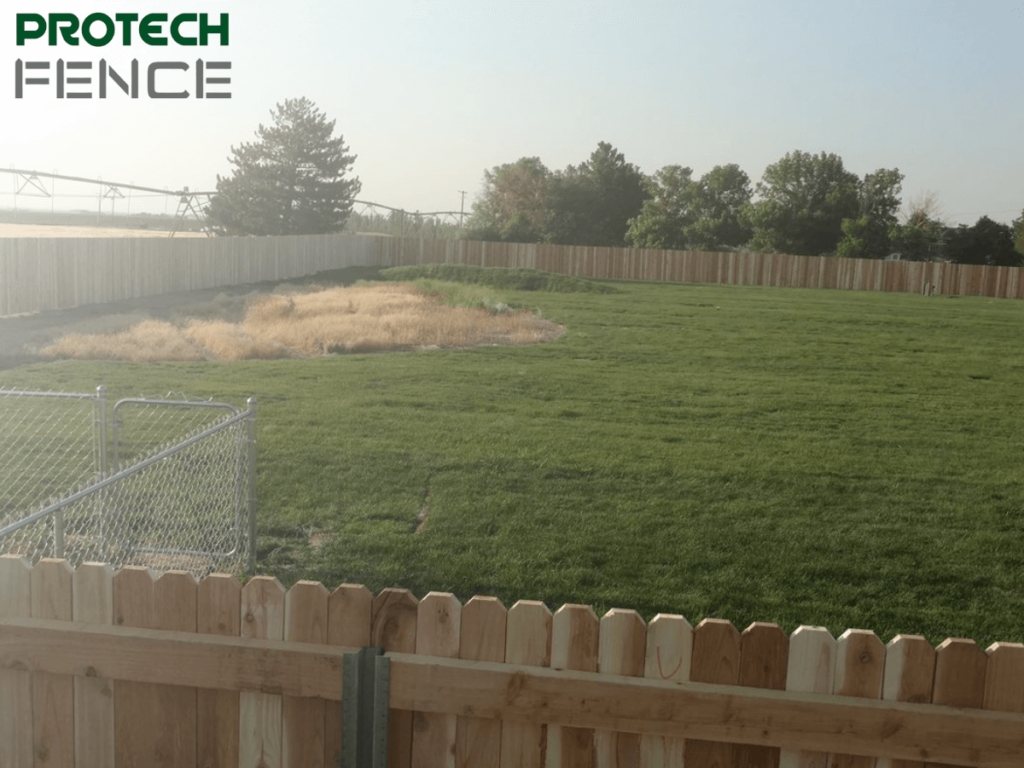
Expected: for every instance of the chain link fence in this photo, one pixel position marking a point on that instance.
(165, 483)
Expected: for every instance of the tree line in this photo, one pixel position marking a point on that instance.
(295, 180)
(805, 204)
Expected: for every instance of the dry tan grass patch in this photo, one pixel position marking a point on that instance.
(373, 318)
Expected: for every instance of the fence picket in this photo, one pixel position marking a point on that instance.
(909, 673)
(94, 696)
(764, 658)
(135, 718)
(175, 596)
(305, 621)
(218, 613)
(668, 657)
(482, 638)
(716, 659)
(53, 695)
(438, 627)
(860, 666)
(1004, 677)
(960, 667)
(622, 650)
(575, 635)
(528, 642)
(15, 686)
(260, 719)
(349, 609)
(393, 628)
(811, 669)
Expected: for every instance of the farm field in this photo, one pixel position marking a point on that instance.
(805, 457)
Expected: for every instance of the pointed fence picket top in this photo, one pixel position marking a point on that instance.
(909, 674)
(176, 600)
(349, 610)
(811, 669)
(305, 621)
(860, 665)
(260, 716)
(438, 627)
(960, 667)
(93, 603)
(218, 613)
(527, 642)
(484, 626)
(622, 651)
(53, 716)
(667, 658)
(716, 659)
(393, 628)
(575, 633)
(764, 659)
(135, 708)
(1004, 674)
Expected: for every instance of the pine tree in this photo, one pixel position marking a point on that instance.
(290, 182)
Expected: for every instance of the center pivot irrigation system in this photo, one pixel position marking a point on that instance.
(192, 204)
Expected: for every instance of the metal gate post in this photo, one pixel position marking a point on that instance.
(101, 465)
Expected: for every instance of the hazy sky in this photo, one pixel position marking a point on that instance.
(429, 94)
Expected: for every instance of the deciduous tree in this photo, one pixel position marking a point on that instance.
(802, 201)
(868, 235)
(514, 204)
(291, 181)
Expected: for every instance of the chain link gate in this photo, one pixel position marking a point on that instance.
(167, 483)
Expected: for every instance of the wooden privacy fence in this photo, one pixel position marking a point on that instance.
(136, 669)
(38, 274)
(747, 268)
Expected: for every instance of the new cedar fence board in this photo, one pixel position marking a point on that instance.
(572, 689)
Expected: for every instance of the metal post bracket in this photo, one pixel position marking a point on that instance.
(366, 682)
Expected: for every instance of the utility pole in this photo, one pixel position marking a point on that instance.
(462, 207)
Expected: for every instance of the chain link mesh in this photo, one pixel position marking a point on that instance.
(176, 493)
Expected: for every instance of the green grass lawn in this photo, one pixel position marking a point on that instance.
(797, 456)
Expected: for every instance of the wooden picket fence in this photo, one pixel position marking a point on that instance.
(141, 669)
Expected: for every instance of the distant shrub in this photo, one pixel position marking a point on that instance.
(497, 277)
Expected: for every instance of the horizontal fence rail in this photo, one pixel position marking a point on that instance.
(39, 274)
(139, 666)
